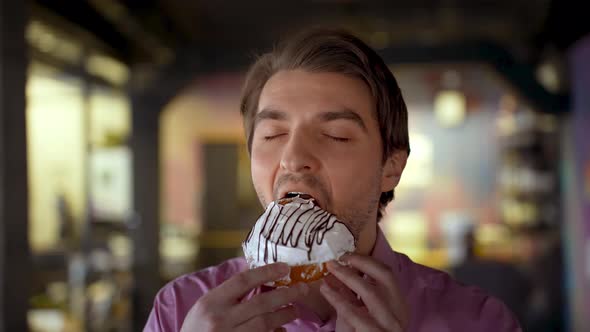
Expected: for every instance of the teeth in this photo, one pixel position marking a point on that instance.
(294, 194)
(298, 194)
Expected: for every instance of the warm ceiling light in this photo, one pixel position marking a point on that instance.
(450, 108)
(107, 68)
(548, 76)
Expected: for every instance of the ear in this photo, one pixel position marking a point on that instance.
(393, 169)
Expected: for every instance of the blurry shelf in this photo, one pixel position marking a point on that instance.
(52, 260)
(111, 225)
(528, 175)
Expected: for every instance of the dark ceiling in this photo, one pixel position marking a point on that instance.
(143, 30)
(184, 37)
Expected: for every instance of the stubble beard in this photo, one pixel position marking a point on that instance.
(355, 216)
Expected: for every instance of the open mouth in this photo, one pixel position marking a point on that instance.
(302, 195)
(293, 194)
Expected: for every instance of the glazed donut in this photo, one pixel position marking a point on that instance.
(296, 231)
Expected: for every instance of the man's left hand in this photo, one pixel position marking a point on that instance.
(371, 302)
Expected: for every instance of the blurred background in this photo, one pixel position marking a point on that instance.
(123, 162)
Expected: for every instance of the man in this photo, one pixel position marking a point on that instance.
(324, 116)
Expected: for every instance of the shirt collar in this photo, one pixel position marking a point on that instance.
(383, 253)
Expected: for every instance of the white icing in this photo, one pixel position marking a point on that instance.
(274, 236)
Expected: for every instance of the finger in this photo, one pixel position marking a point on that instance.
(242, 283)
(268, 302)
(384, 277)
(352, 280)
(343, 290)
(347, 311)
(369, 266)
(379, 308)
(269, 321)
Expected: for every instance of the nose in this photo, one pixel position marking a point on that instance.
(299, 154)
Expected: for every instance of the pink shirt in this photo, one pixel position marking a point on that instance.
(437, 302)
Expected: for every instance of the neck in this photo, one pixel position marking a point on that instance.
(366, 241)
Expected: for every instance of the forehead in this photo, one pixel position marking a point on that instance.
(302, 91)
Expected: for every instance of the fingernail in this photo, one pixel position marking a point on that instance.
(336, 265)
(345, 258)
(304, 288)
(283, 269)
(325, 287)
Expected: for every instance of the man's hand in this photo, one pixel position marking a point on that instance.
(221, 309)
(369, 303)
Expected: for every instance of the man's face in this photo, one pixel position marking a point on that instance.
(316, 133)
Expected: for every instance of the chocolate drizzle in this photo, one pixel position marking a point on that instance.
(288, 224)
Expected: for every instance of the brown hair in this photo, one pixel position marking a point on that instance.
(334, 51)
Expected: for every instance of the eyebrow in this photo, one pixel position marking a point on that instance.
(346, 114)
(269, 114)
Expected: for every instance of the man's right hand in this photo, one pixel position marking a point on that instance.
(221, 309)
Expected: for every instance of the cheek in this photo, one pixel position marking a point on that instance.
(355, 181)
(355, 167)
(263, 168)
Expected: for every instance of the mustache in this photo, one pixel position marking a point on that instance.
(306, 179)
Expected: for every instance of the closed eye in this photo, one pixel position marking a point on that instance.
(338, 139)
(271, 137)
